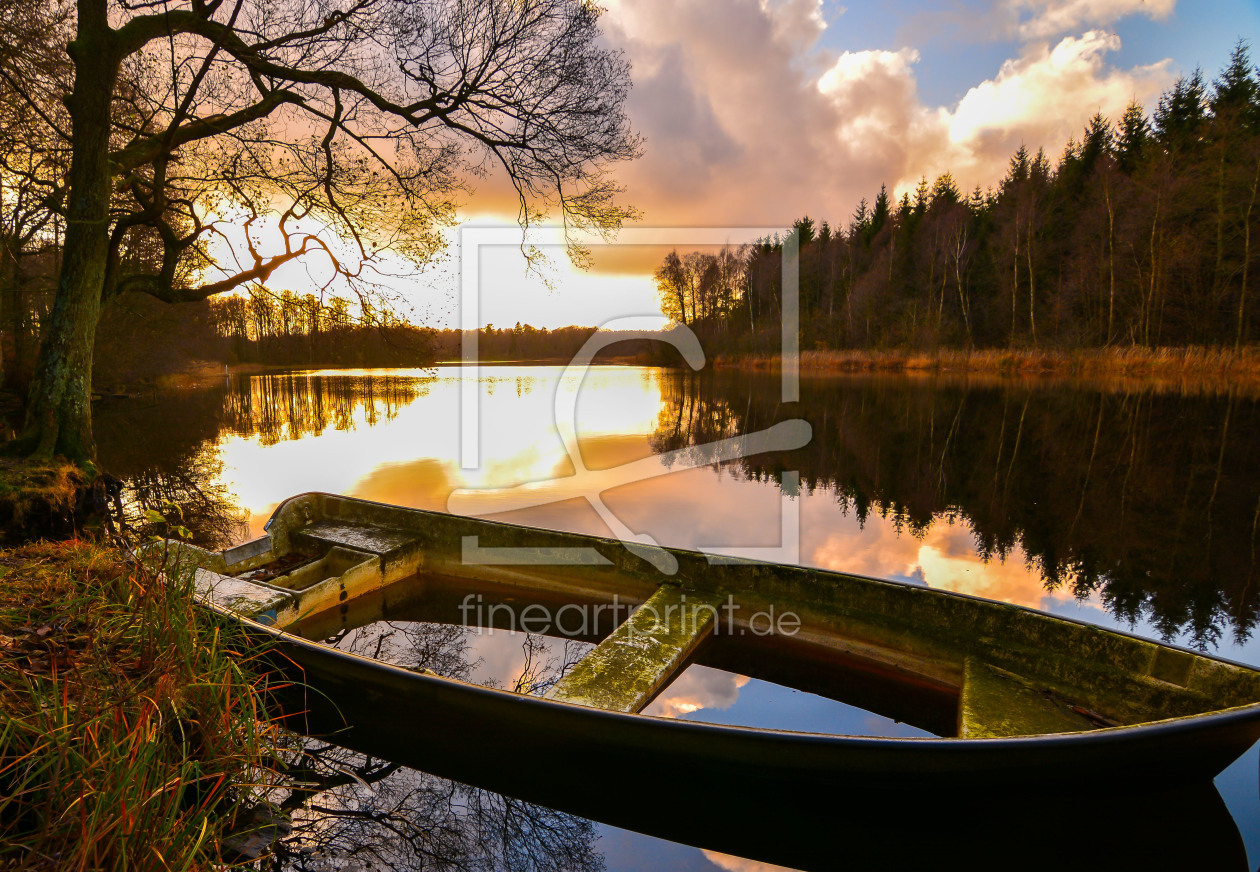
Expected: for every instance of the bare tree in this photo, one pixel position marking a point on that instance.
(32, 156)
(341, 129)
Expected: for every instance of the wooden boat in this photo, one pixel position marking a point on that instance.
(1025, 704)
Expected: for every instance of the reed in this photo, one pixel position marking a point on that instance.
(130, 725)
(1242, 365)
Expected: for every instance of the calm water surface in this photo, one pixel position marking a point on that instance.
(1124, 506)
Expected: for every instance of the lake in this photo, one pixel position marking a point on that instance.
(1129, 505)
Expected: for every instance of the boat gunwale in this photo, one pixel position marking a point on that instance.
(752, 562)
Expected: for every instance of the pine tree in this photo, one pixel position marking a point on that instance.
(922, 195)
(1236, 93)
(1132, 136)
(1039, 172)
(945, 190)
(977, 202)
(1179, 118)
(879, 216)
(861, 219)
(1097, 143)
(804, 227)
(1019, 168)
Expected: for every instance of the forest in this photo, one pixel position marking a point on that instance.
(1140, 234)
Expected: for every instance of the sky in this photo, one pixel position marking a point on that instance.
(756, 112)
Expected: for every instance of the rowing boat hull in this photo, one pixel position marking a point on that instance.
(792, 798)
(1188, 715)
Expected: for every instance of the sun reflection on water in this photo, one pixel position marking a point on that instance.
(412, 458)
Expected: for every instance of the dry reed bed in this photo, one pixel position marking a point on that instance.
(1192, 369)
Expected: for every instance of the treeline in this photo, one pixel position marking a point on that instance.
(527, 343)
(140, 338)
(1143, 233)
(285, 329)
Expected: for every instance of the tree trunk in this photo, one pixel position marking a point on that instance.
(1217, 271)
(8, 287)
(59, 412)
(17, 323)
(1111, 261)
(1032, 289)
(1015, 280)
(962, 301)
(1241, 333)
(1150, 297)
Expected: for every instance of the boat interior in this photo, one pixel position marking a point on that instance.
(948, 664)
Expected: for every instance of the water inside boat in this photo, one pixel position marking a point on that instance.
(424, 631)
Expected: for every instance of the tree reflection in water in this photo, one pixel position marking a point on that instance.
(292, 406)
(1145, 498)
(354, 811)
(164, 447)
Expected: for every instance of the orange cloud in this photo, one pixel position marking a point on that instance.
(739, 864)
(699, 687)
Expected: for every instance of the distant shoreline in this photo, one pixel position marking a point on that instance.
(202, 370)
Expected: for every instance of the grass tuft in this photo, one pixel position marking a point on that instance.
(130, 732)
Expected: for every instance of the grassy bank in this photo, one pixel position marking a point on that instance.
(38, 499)
(1127, 362)
(130, 733)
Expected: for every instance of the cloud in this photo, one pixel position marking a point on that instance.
(943, 558)
(699, 687)
(739, 864)
(1043, 97)
(749, 120)
(1038, 19)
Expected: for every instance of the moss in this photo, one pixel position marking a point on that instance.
(627, 669)
(995, 704)
(39, 499)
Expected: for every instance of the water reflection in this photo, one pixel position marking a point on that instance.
(358, 812)
(1142, 503)
(520, 662)
(163, 447)
(277, 407)
(716, 696)
(1147, 502)
(351, 810)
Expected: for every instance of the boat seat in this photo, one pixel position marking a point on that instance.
(627, 669)
(381, 541)
(259, 601)
(995, 703)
